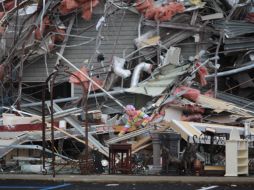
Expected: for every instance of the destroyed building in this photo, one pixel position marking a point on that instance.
(69, 68)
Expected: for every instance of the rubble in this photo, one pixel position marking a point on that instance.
(69, 68)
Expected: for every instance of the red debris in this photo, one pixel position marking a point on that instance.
(81, 1)
(2, 29)
(202, 72)
(159, 13)
(2, 72)
(68, 6)
(209, 93)
(39, 33)
(9, 5)
(194, 109)
(59, 37)
(40, 30)
(1, 14)
(186, 107)
(63, 7)
(190, 94)
(250, 17)
(150, 13)
(24, 127)
(87, 9)
(83, 79)
(192, 117)
(72, 4)
(142, 6)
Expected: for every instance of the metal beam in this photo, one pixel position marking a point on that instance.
(179, 26)
(121, 91)
(130, 135)
(92, 141)
(65, 39)
(36, 147)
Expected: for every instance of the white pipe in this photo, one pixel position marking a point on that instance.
(249, 65)
(136, 74)
(118, 64)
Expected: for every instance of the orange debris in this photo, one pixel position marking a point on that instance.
(159, 13)
(190, 94)
(67, 6)
(202, 72)
(84, 80)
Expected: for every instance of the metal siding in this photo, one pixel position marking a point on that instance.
(80, 55)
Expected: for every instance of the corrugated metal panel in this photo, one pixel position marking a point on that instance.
(80, 55)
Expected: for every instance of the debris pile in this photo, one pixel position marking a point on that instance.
(117, 86)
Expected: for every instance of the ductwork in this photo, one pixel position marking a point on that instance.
(136, 74)
(118, 64)
(249, 65)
